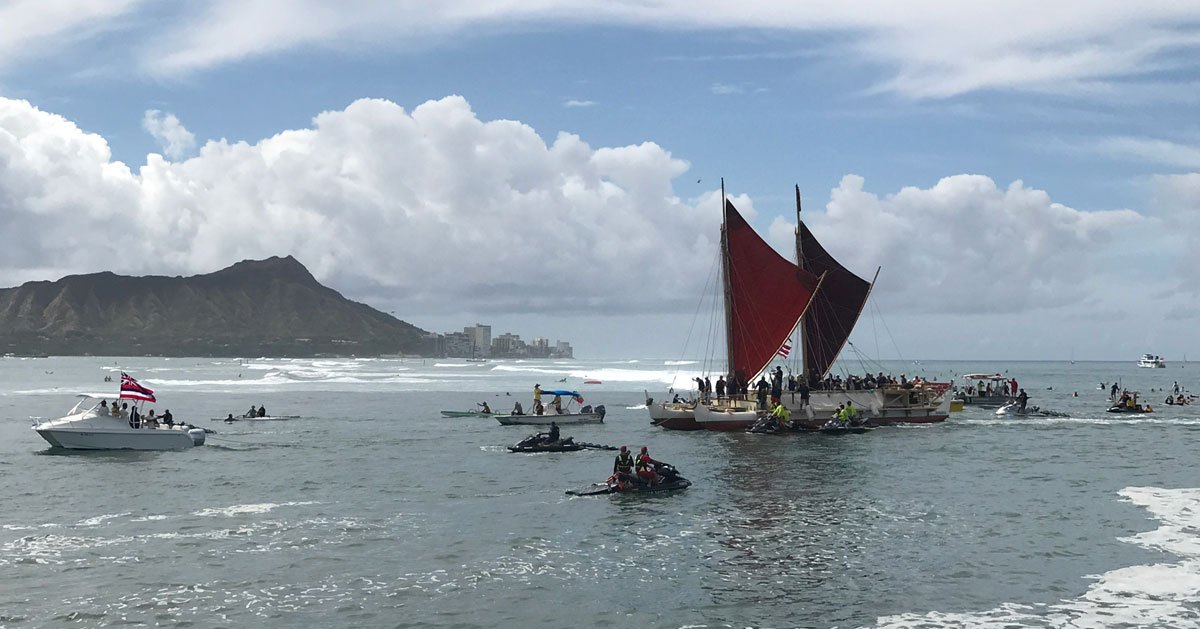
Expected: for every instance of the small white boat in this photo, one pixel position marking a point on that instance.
(1151, 361)
(586, 415)
(88, 426)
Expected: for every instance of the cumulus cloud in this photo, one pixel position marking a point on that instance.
(433, 206)
(435, 211)
(965, 245)
(175, 140)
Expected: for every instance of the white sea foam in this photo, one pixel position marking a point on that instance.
(1159, 594)
(604, 375)
(673, 363)
(248, 509)
(100, 519)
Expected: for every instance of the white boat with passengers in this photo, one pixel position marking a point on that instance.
(556, 412)
(90, 426)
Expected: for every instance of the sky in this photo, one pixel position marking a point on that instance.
(1026, 176)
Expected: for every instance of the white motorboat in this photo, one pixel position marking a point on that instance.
(89, 426)
(586, 415)
(1151, 361)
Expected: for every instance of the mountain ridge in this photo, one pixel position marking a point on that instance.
(254, 307)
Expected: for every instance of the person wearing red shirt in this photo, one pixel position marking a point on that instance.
(645, 467)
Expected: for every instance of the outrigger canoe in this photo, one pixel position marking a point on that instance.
(256, 418)
(466, 414)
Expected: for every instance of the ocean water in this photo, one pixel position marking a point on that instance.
(373, 511)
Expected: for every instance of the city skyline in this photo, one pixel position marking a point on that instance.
(476, 342)
(557, 165)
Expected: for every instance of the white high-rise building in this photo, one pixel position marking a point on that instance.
(481, 335)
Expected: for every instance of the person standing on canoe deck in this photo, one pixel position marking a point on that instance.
(720, 387)
(777, 385)
(762, 387)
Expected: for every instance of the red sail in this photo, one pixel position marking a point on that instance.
(835, 309)
(766, 294)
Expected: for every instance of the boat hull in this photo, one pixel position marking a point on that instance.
(600, 489)
(465, 414)
(264, 418)
(726, 419)
(558, 447)
(545, 420)
(673, 416)
(146, 439)
(679, 423)
(878, 407)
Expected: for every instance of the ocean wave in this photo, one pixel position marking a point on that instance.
(603, 374)
(1159, 594)
(100, 519)
(248, 509)
(673, 363)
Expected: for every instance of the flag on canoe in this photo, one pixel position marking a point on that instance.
(785, 350)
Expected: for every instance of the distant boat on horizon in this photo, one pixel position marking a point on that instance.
(1151, 361)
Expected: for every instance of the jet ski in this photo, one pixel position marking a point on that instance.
(541, 443)
(769, 426)
(669, 480)
(1014, 409)
(838, 427)
(1137, 408)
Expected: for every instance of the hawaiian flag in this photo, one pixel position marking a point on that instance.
(785, 350)
(131, 390)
